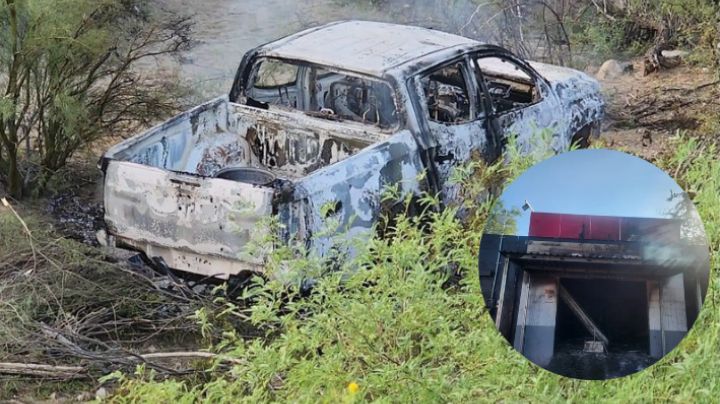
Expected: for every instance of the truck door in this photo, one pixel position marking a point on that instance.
(340, 205)
(455, 120)
(523, 105)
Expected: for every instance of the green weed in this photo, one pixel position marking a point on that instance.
(395, 331)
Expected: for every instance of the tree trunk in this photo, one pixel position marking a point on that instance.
(15, 185)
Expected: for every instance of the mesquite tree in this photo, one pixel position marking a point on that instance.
(70, 71)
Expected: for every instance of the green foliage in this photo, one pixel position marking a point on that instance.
(68, 75)
(502, 220)
(629, 31)
(143, 389)
(396, 330)
(600, 39)
(696, 24)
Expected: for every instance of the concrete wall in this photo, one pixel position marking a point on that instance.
(535, 330)
(666, 314)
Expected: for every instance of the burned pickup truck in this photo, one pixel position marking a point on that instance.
(330, 116)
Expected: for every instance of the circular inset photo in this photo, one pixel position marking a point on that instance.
(594, 264)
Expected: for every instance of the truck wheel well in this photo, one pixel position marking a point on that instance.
(238, 283)
(583, 137)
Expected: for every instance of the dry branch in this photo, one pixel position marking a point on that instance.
(696, 88)
(603, 10)
(41, 370)
(27, 231)
(188, 354)
(81, 309)
(79, 372)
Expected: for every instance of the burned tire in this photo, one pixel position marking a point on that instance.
(238, 283)
(584, 137)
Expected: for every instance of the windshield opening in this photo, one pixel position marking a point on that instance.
(322, 93)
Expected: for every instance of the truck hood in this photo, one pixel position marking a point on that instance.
(569, 83)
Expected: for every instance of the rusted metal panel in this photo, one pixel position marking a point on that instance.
(293, 144)
(355, 187)
(667, 315)
(571, 102)
(219, 134)
(199, 219)
(457, 145)
(535, 332)
(578, 93)
(181, 143)
(582, 249)
(611, 228)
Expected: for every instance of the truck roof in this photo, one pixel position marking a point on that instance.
(366, 47)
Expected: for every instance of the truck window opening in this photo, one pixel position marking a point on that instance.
(508, 85)
(446, 95)
(324, 94)
(275, 83)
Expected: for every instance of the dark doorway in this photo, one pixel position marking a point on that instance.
(619, 309)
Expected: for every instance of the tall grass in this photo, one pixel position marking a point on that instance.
(397, 329)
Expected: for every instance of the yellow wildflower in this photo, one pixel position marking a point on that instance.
(353, 387)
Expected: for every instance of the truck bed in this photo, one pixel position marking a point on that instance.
(161, 196)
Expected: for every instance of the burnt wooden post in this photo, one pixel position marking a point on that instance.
(666, 314)
(507, 299)
(582, 316)
(537, 313)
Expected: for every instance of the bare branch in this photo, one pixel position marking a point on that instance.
(27, 231)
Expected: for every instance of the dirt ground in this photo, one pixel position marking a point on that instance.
(643, 112)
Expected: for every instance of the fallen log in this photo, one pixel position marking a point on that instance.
(41, 370)
(78, 372)
(190, 354)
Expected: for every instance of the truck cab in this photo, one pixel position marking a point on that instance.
(456, 96)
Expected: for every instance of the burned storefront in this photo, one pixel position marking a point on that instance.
(594, 297)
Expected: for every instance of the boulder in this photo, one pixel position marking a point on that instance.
(673, 58)
(613, 69)
(675, 53)
(101, 394)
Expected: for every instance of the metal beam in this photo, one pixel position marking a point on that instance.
(581, 315)
(586, 273)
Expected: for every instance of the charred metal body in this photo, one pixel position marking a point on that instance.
(336, 114)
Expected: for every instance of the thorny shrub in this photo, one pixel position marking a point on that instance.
(71, 71)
